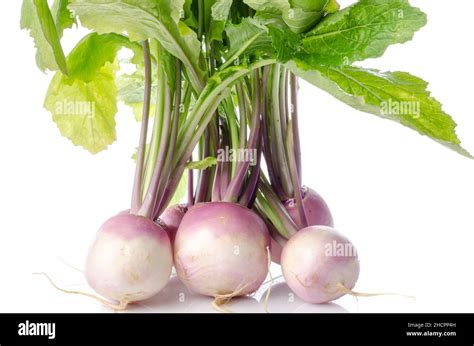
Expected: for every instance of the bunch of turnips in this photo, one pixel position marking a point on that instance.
(213, 77)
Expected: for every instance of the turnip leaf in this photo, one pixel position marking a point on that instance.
(94, 51)
(84, 103)
(397, 96)
(85, 111)
(37, 17)
(363, 30)
(300, 16)
(143, 19)
(249, 36)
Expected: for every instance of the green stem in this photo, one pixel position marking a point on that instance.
(137, 186)
(172, 142)
(242, 115)
(295, 124)
(234, 130)
(216, 85)
(200, 19)
(151, 196)
(237, 182)
(283, 99)
(277, 138)
(302, 220)
(157, 122)
(216, 90)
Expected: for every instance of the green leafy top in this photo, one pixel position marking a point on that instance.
(312, 38)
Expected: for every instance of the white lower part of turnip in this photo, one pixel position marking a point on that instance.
(320, 264)
(130, 259)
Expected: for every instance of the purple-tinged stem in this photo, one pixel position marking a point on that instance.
(295, 124)
(266, 148)
(151, 198)
(206, 105)
(171, 186)
(190, 188)
(137, 186)
(278, 139)
(277, 207)
(159, 207)
(204, 175)
(250, 191)
(226, 166)
(283, 99)
(235, 187)
(242, 116)
(302, 220)
(216, 184)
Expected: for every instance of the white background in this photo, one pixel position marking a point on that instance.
(405, 201)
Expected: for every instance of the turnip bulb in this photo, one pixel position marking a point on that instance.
(316, 210)
(171, 219)
(130, 259)
(317, 213)
(221, 249)
(320, 264)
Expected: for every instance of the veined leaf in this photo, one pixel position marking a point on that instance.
(144, 19)
(285, 42)
(91, 54)
(397, 96)
(300, 16)
(300, 21)
(85, 111)
(363, 30)
(37, 17)
(247, 37)
(84, 104)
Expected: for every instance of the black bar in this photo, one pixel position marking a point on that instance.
(192, 329)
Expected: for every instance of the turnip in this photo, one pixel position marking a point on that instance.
(317, 213)
(316, 210)
(211, 83)
(171, 219)
(130, 259)
(216, 245)
(320, 264)
(283, 202)
(219, 241)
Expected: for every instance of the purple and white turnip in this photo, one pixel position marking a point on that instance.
(320, 264)
(216, 245)
(224, 78)
(130, 259)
